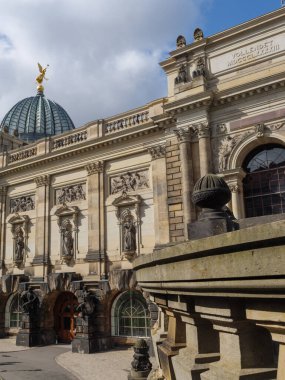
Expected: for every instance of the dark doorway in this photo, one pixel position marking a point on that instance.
(64, 317)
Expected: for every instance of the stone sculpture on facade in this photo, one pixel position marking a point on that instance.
(25, 203)
(226, 147)
(129, 236)
(200, 68)
(87, 306)
(198, 34)
(29, 301)
(67, 249)
(70, 194)
(19, 245)
(130, 182)
(180, 42)
(182, 75)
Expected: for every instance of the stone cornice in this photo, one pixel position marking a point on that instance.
(204, 99)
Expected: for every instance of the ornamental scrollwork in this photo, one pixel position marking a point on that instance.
(157, 151)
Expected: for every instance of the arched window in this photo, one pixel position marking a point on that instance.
(130, 315)
(14, 311)
(264, 184)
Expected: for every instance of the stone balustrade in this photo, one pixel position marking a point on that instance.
(22, 155)
(68, 140)
(127, 122)
(224, 300)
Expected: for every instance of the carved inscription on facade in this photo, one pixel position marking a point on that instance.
(252, 52)
(25, 203)
(130, 181)
(70, 193)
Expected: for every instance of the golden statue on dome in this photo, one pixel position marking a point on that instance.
(41, 77)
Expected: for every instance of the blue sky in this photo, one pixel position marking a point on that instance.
(103, 54)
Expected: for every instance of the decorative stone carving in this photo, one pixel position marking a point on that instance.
(260, 130)
(42, 180)
(129, 221)
(221, 129)
(24, 203)
(157, 151)
(182, 75)
(87, 305)
(202, 130)
(275, 126)
(71, 193)
(130, 181)
(29, 301)
(95, 167)
(200, 68)
(3, 190)
(19, 229)
(226, 147)
(198, 34)
(180, 42)
(234, 188)
(68, 228)
(183, 134)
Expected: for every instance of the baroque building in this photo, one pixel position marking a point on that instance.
(79, 206)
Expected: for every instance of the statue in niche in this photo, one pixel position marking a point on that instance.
(200, 68)
(19, 245)
(182, 75)
(67, 249)
(129, 240)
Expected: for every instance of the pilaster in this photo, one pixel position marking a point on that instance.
(184, 138)
(42, 221)
(95, 191)
(234, 180)
(203, 134)
(3, 198)
(159, 179)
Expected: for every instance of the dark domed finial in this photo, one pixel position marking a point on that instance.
(180, 42)
(211, 191)
(198, 34)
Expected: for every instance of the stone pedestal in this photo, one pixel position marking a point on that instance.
(246, 353)
(85, 339)
(29, 335)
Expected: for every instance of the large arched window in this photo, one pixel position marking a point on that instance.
(264, 184)
(130, 315)
(14, 312)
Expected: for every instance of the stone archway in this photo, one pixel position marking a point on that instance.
(64, 317)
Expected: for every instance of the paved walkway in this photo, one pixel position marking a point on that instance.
(17, 363)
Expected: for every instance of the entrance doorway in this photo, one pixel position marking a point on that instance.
(64, 317)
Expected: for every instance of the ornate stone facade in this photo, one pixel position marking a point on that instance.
(130, 181)
(68, 194)
(24, 203)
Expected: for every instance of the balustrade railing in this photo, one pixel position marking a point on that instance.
(75, 138)
(126, 122)
(22, 155)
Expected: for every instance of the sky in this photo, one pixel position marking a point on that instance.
(103, 55)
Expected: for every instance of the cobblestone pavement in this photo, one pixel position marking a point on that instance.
(109, 365)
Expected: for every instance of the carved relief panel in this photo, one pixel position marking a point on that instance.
(23, 203)
(68, 229)
(130, 181)
(72, 193)
(19, 228)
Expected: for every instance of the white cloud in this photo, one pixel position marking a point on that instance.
(103, 54)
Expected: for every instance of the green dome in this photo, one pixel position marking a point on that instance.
(36, 117)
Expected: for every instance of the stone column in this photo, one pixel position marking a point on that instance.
(159, 179)
(42, 223)
(203, 133)
(183, 136)
(96, 240)
(234, 180)
(3, 198)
